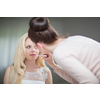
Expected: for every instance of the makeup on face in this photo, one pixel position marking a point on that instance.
(31, 49)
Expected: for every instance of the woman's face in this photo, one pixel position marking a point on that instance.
(42, 48)
(31, 50)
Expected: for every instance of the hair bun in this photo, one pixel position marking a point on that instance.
(39, 23)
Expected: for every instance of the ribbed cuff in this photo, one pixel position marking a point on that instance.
(57, 68)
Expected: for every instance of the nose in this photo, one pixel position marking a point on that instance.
(33, 49)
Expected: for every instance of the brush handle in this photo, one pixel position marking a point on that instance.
(43, 55)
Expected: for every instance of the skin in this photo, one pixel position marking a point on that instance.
(48, 49)
(50, 61)
(29, 62)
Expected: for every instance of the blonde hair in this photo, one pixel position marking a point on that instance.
(18, 68)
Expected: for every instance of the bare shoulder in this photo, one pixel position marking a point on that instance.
(7, 75)
(49, 71)
(49, 77)
(8, 69)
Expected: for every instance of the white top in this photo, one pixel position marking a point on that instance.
(38, 77)
(78, 58)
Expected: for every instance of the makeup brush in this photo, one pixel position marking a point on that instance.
(43, 55)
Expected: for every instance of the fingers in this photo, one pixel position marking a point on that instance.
(48, 56)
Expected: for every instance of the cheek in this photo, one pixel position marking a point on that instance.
(37, 51)
(27, 52)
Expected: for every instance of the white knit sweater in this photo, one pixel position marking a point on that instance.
(78, 58)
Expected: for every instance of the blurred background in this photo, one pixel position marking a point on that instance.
(12, 28)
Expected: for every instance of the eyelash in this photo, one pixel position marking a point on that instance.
(35, 47)
(30, 47)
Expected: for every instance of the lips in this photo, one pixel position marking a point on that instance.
(32, 55)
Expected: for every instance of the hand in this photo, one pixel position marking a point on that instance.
(49, 60)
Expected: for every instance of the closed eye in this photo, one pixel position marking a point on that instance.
(35, 47)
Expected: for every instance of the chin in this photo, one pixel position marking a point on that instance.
(34, 58)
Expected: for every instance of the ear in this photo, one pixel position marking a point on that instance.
(40, 45)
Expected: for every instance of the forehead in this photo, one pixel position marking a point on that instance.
(29, 42)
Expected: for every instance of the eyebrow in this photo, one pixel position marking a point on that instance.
(31, 45)
(28, 45)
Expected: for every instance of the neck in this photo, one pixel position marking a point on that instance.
(51, 47)
(30, 64)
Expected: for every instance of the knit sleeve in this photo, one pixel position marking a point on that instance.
(64, 75)
(75, 69)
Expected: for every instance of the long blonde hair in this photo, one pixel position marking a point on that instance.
(18, 68)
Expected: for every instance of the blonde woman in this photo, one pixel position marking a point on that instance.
(28, 67)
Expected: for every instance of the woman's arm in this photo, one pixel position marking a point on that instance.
(75, 69)
(58, 69)
(49, 78)
(6, 76)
